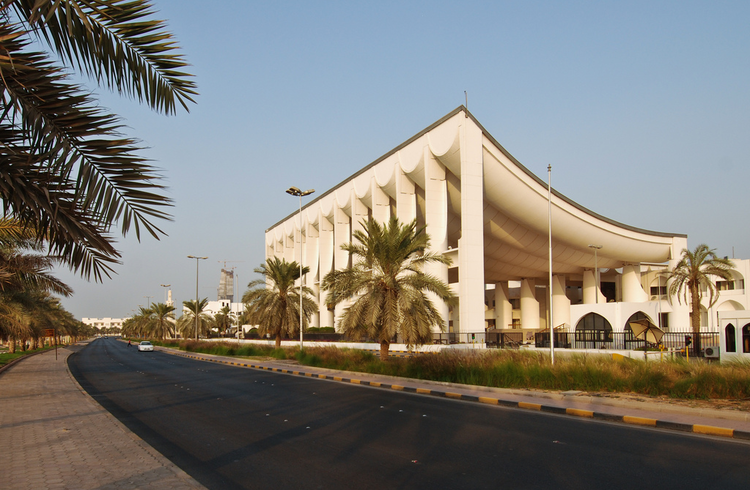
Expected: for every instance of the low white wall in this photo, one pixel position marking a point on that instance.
(372, 346)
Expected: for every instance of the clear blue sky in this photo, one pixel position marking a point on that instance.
(641, 107)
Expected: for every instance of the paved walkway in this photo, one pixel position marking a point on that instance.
(55, 436)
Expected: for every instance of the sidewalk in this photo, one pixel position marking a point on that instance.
(725, 423)
(55, 436)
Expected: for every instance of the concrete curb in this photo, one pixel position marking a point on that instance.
(575, 412)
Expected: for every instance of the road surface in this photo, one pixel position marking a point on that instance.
(233, 428)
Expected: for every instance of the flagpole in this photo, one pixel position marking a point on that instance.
(549, 233)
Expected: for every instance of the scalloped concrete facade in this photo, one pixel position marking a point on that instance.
(488, 213)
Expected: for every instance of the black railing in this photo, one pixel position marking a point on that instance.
(604, 339)
(504, 340)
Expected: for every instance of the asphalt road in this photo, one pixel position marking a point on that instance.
(230, 427)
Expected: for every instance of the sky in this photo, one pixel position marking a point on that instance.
(642, 108)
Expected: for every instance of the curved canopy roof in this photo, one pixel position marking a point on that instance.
(515, 209)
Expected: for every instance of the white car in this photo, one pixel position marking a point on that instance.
(145, 346)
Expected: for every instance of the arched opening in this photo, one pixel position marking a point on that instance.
(730, 339)
(592, 330)
(629, 339)
(746, 339)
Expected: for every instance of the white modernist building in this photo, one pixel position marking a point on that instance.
(102, 323)
(489, 214)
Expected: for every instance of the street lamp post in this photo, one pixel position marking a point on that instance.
(296, 192)
(596, 268)
(149, 300)
(166, 293)
(197, 261)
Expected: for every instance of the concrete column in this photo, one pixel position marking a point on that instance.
(290, 247)
(503, 308)
(359, 213)
(342, 236)
(471, 244)
(436, 222)
(312, 256)
(381, 204)
(632, 290)
(560, 302)
(406, 197)
(325, 241)
(529, 305)
(590, 289)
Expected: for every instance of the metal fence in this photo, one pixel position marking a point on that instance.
(603, 339)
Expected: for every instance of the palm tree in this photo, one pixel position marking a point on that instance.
(25, 284)
(387, 285)
(692, 275)
(67, 172)
(186, 323)
(163, 320)
(223, 320)
(273, 302)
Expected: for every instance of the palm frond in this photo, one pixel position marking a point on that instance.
(118, 43)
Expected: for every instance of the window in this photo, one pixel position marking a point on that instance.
(664, 321)
(658, 290)
(725, 285)
(730, 339)
(746, 339)
(453, 275)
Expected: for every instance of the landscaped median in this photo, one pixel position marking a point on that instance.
(676, 379)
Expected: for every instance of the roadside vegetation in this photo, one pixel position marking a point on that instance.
(518, 369)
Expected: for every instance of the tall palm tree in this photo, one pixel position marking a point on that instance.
(388, 286)
(186, 323)
(273, 302)
(692, 275)
(163, 320)
(66, 171)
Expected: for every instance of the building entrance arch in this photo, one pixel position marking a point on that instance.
(593, 331)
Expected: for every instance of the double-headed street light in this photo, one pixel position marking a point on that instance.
(296, 192)
(197, 260)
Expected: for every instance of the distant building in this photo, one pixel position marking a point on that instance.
(226, 285)
(104, 323)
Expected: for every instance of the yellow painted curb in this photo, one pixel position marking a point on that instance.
(639, 421)
(374, 383)
(424, 391)
(713, 431)
(397, 387)
(457, 396)
(489, 401)
(530, 406)
(337, 378)
(355, 381)
(579, 413)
